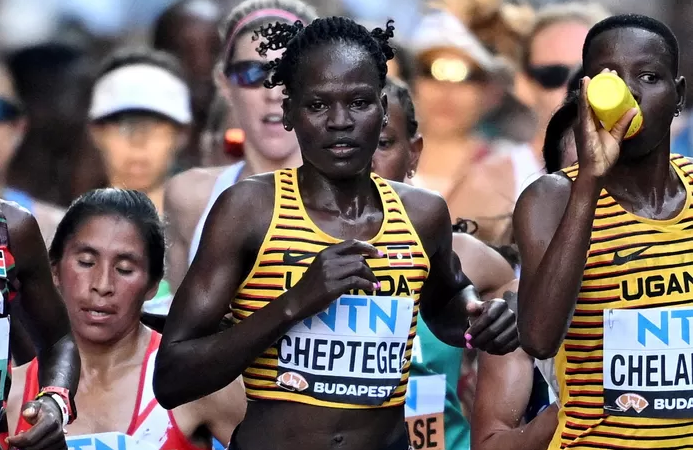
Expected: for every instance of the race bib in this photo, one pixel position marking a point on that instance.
(106, 441)
(648, 362)
(425, 411)
(353, 352)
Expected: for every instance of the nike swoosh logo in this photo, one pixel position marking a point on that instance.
(289, 258)
(620, 260)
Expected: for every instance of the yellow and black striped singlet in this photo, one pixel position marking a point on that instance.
(288, 249)
(633, 263)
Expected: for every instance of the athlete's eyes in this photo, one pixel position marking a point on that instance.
(385, 143)
(316, 106)
(360, 103)
(649, 77)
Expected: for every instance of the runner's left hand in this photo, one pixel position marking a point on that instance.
(46, 432)
(493, 326)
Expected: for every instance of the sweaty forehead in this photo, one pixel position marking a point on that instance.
(617, 46)
(336, 64)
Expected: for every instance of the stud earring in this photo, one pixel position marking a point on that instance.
(411, 173)
(676, 113)
(286, 126)
(385, 121)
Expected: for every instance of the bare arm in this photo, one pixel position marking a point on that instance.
(503, 388)
(231, 239)
(191, 340)
(444, 305)
(552, 223)
(222, 411)
(484, 266)
(46, 317)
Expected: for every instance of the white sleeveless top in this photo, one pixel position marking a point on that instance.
(227, 178)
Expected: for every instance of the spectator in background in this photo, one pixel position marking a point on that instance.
(552, 51)
(458, 84)
(12, 128)
(188, 30)
(56, 161)
(139, 117)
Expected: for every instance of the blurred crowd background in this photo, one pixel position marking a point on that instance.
(483, 113)
(53, 48)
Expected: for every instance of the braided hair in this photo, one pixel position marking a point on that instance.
(298, 40)
(400, 91)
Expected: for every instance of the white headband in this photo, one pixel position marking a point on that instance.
(144, 87)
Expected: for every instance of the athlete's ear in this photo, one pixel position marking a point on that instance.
(287, 110)
(54, 275)
(415, 152)
(681, 92)
(385, 106)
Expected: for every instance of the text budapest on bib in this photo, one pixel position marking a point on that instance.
(351, 353)
(648, 362)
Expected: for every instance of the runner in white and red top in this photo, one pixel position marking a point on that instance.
(107, 259)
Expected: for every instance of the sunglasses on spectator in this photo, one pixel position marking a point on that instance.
(8, 111)
(552, 76)
(452, 70)
(249, 74)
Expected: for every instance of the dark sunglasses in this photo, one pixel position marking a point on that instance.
(247, 73)
(9, 111)
(551, 76)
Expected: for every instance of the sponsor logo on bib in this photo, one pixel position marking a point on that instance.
(631, 400)
(648, 362)
(106, 441)
(353, 352)
(292, 382)
(425, 411)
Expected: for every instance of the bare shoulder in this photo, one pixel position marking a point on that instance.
(191, 187)
(551, 188)
(21, 223)
(427, 211)
(243, 212)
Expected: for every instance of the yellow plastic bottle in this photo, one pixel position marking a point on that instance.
(610, 99)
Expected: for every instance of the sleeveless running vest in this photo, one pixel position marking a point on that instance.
(625, 368)
(357, 353)
(151, 423)
(9, 286)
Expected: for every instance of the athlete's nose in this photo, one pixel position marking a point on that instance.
(102, 280)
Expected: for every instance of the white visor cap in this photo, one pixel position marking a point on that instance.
(141, 87)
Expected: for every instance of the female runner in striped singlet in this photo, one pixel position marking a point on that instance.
(107, 259)
(607, 252)
(325, 268)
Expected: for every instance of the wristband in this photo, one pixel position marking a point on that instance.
(65, 415)
(69, 412)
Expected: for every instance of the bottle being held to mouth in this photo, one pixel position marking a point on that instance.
(610, 98)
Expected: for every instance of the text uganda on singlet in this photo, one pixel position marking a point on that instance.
(353, 352)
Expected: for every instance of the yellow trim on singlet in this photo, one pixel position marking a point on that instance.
(583, 423)
(292, 229)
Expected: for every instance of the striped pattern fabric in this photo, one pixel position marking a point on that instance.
(664, 254)
(292, 233)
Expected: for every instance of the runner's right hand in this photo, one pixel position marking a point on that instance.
(335, 270)
(598, 149)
